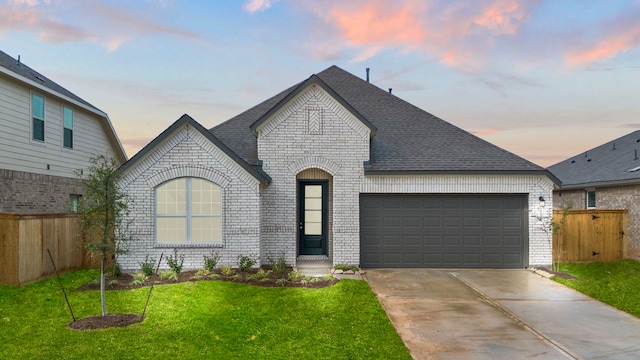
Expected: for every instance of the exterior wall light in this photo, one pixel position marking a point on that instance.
(541, 199)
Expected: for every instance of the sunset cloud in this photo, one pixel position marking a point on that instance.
(109, 26)
(606, 48)
(253, 6)
(457, 34)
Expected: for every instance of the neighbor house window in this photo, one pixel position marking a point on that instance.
(591, 199)
(74, 202)
(188, 211)
(37, 115)
(67, 115)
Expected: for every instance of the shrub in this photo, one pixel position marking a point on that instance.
(281, 282)
(139, 279)
(295, 276)
(210, 262)
(278, 266)
(169, 275)
(246, 262)
(259, 275)
(201, 274)
(175, 262)
(345, 267)
(226, 271)
(147, 265)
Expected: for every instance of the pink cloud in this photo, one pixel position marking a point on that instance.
(607, 48)
(486, 132)
(459, 34)
(109, 26)
(253, 6)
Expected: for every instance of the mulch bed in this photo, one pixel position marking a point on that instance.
(559, 274)
(124, 282)
(105, 322)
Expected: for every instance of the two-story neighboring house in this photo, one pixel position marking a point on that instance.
(47, 135)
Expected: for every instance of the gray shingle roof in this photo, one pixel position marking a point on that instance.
(23, 70)
(407, 140)
(606, 164)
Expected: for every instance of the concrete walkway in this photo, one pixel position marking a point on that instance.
(500, 314)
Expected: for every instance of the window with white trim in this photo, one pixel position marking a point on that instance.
(37, 117)
(591, 199)
(188, 211)
(67, 124)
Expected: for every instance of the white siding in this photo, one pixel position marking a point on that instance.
(19, 153)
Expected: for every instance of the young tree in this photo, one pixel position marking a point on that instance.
(103, 210)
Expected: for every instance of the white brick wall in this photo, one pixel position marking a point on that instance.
(313, 131)
(186, 152)
(287, 144)
(293, 141)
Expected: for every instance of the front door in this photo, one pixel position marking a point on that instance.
(312, 217)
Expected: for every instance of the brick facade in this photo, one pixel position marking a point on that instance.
(609, 198)
(187, 153)
(313, 132)
(311, 137)
(30, 193)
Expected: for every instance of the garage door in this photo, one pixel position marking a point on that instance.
(443, 231)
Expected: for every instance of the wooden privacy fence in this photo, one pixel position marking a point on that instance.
(590, 235)
(24, 240)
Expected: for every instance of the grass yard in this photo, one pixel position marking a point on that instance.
(204, 319)
(615, 283)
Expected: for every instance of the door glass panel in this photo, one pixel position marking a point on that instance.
(313, 209)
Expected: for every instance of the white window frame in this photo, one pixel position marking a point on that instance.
(64, 127)
(189, 217)
(32, 118)
(590, 206)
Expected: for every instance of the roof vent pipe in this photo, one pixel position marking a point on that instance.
(390, 89)
(367, 74)
(18, 63)
(635, 154)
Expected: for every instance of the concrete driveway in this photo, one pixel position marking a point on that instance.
(500, 314)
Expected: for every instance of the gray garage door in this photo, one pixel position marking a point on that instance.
(443, 231)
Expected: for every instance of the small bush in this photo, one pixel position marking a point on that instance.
(259, 275)
(139, 279)
(295, 276)
(345, 267)
(238, 277)
(210, 262)
(169, 275)
(175, 262)
(201, 274)
(246, 262)
(281, 282)
(278, 265)
(328, 277)
(226, 271)
(116, 270)
(213, 276)
(147, 265)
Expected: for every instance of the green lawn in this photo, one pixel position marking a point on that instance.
(205, 319)
(615, 283)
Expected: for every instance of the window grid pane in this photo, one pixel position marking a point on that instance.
(67, 114)
(188, 210)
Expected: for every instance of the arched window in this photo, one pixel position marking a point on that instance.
(188, 211)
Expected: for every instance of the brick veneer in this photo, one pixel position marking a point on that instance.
(29, 193)
(614, 198)
(186, 153)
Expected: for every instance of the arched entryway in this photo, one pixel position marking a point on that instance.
(315, 213)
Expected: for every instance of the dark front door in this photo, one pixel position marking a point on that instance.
(312, 217)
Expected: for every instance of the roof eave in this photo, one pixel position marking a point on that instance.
(255, 170)
(465, 172)
(313, 79)
(603, 183)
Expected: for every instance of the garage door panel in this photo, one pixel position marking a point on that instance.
(475, 231)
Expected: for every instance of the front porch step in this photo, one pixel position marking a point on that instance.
(314, 267)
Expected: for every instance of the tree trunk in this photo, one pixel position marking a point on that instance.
(102, 287)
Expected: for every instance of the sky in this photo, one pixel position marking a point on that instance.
(544, 79)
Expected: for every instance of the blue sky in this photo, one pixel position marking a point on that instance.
(543, 79)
